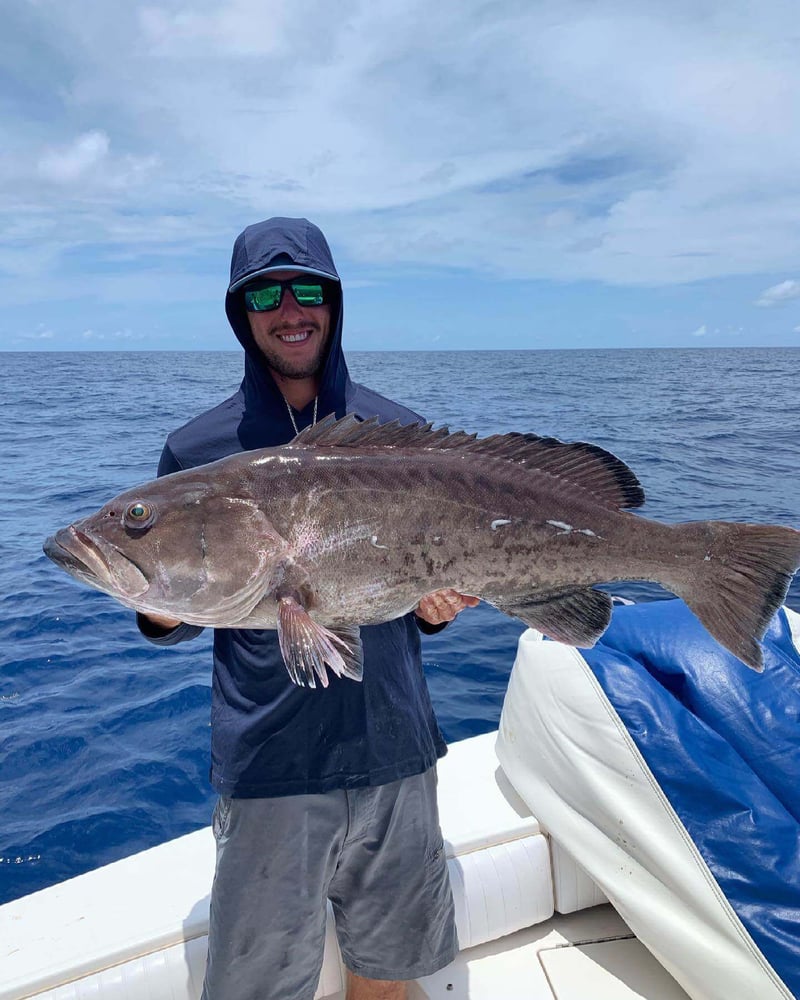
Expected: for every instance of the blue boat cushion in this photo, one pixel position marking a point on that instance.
(723, 743)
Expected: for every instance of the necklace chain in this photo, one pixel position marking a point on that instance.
(291, 415)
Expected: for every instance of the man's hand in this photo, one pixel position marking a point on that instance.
(443, 605)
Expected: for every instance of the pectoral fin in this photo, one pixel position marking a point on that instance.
(309, 649)
(578, 618)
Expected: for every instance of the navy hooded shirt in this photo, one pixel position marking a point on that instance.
(268, 736)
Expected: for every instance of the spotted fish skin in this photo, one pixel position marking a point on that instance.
(353, 522)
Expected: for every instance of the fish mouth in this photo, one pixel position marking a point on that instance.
(95, 561)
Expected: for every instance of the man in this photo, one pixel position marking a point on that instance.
(327, 793)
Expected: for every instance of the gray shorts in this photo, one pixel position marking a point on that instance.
(376, 853)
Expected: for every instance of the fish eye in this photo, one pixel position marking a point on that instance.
(139, 514)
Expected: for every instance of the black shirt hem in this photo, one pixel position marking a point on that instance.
(317, 786)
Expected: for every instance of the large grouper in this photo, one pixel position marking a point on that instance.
(352, 522)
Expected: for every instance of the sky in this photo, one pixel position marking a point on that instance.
(509, 174)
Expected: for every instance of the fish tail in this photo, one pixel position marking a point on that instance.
(737, 580)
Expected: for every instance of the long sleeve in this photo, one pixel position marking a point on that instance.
(166, 637)
(168, 463)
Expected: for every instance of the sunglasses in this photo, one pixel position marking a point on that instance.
(270, 295)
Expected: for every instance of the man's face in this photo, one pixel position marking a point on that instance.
(292, 338)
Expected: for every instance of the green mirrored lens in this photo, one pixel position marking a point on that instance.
(261, 299)
(308, 295)
(269, 296)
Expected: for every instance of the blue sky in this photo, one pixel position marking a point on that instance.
(508, 174)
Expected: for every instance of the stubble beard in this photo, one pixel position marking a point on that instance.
(295, 369)
(286, 369)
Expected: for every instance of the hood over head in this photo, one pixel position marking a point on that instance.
(282, 244)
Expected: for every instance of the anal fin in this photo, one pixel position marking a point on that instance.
(577, 618)
(310, 650)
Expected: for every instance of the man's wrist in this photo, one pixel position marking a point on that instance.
(427, 628)
(155, 626)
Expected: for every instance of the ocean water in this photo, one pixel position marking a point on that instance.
(104, 738)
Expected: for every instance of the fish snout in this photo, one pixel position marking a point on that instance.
(90, 558)
(51, 548)
(58, 548)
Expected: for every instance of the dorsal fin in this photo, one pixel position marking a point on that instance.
(585, 465)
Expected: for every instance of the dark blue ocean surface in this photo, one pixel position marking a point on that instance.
(105, 738)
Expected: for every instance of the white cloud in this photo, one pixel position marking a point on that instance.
(71, 162)
(87, 161)
(41, 332)
(234, 28)
(700, 331)
(625, 143)
(125, 334)
(780, 293)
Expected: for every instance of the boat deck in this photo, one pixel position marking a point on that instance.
(588, 954)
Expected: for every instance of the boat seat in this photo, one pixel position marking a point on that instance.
(498, 857)
(488, 815)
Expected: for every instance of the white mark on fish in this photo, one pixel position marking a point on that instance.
(288, 460)
(496, 523)
(707, 557)
(264, 460)
(567, 529)
(374, 541)
(311, 541)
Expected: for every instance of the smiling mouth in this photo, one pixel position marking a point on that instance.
(295, 336)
